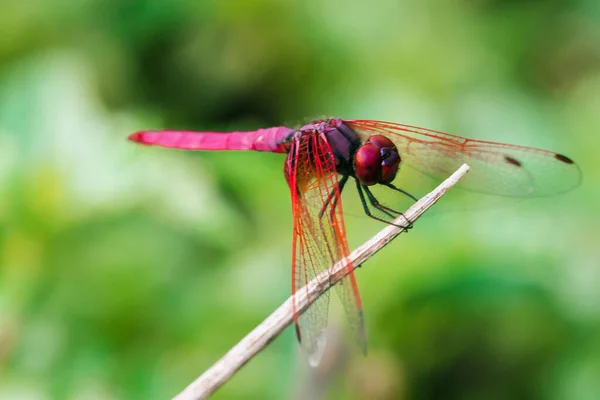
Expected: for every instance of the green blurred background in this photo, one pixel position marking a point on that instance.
(127, 271)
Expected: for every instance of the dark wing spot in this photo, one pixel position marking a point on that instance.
(512, 161)
(562, 158)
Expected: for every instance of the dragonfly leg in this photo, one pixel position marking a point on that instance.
(333, 197)
(384, 209)
(375, 203)
(341, 185)
(372, 199)
(404, 192)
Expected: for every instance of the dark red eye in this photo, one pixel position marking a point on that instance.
(367, 164)
(376, 161)
(382, 142)
(389, 166)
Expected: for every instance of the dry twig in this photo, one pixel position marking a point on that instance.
(271, 327)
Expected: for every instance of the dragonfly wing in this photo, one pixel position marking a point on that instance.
(496, 168)
(347, 290)
(319, 240)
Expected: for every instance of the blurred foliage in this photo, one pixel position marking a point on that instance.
(127, 271)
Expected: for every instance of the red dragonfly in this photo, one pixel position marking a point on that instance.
(323, 155)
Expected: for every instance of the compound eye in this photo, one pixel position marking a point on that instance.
(382, 142)
(367, 164)
(390, 164)
(389, 157)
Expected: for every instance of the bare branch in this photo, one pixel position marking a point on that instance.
(271, 327)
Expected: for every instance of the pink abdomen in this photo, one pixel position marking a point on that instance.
(268, 139)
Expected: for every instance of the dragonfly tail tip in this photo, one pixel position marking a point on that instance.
(135, 137)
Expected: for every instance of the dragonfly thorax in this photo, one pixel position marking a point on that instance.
(375, 161)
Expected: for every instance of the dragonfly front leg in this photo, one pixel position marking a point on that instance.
(375, 203)
(404, 192)
(384, 209)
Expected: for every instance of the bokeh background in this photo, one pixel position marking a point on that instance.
(126, 271)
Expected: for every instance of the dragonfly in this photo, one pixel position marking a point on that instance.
(324, 155)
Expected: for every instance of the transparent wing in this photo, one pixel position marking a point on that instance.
(496, 168)
(319, 240)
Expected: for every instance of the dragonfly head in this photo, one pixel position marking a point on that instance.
(376, 161)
